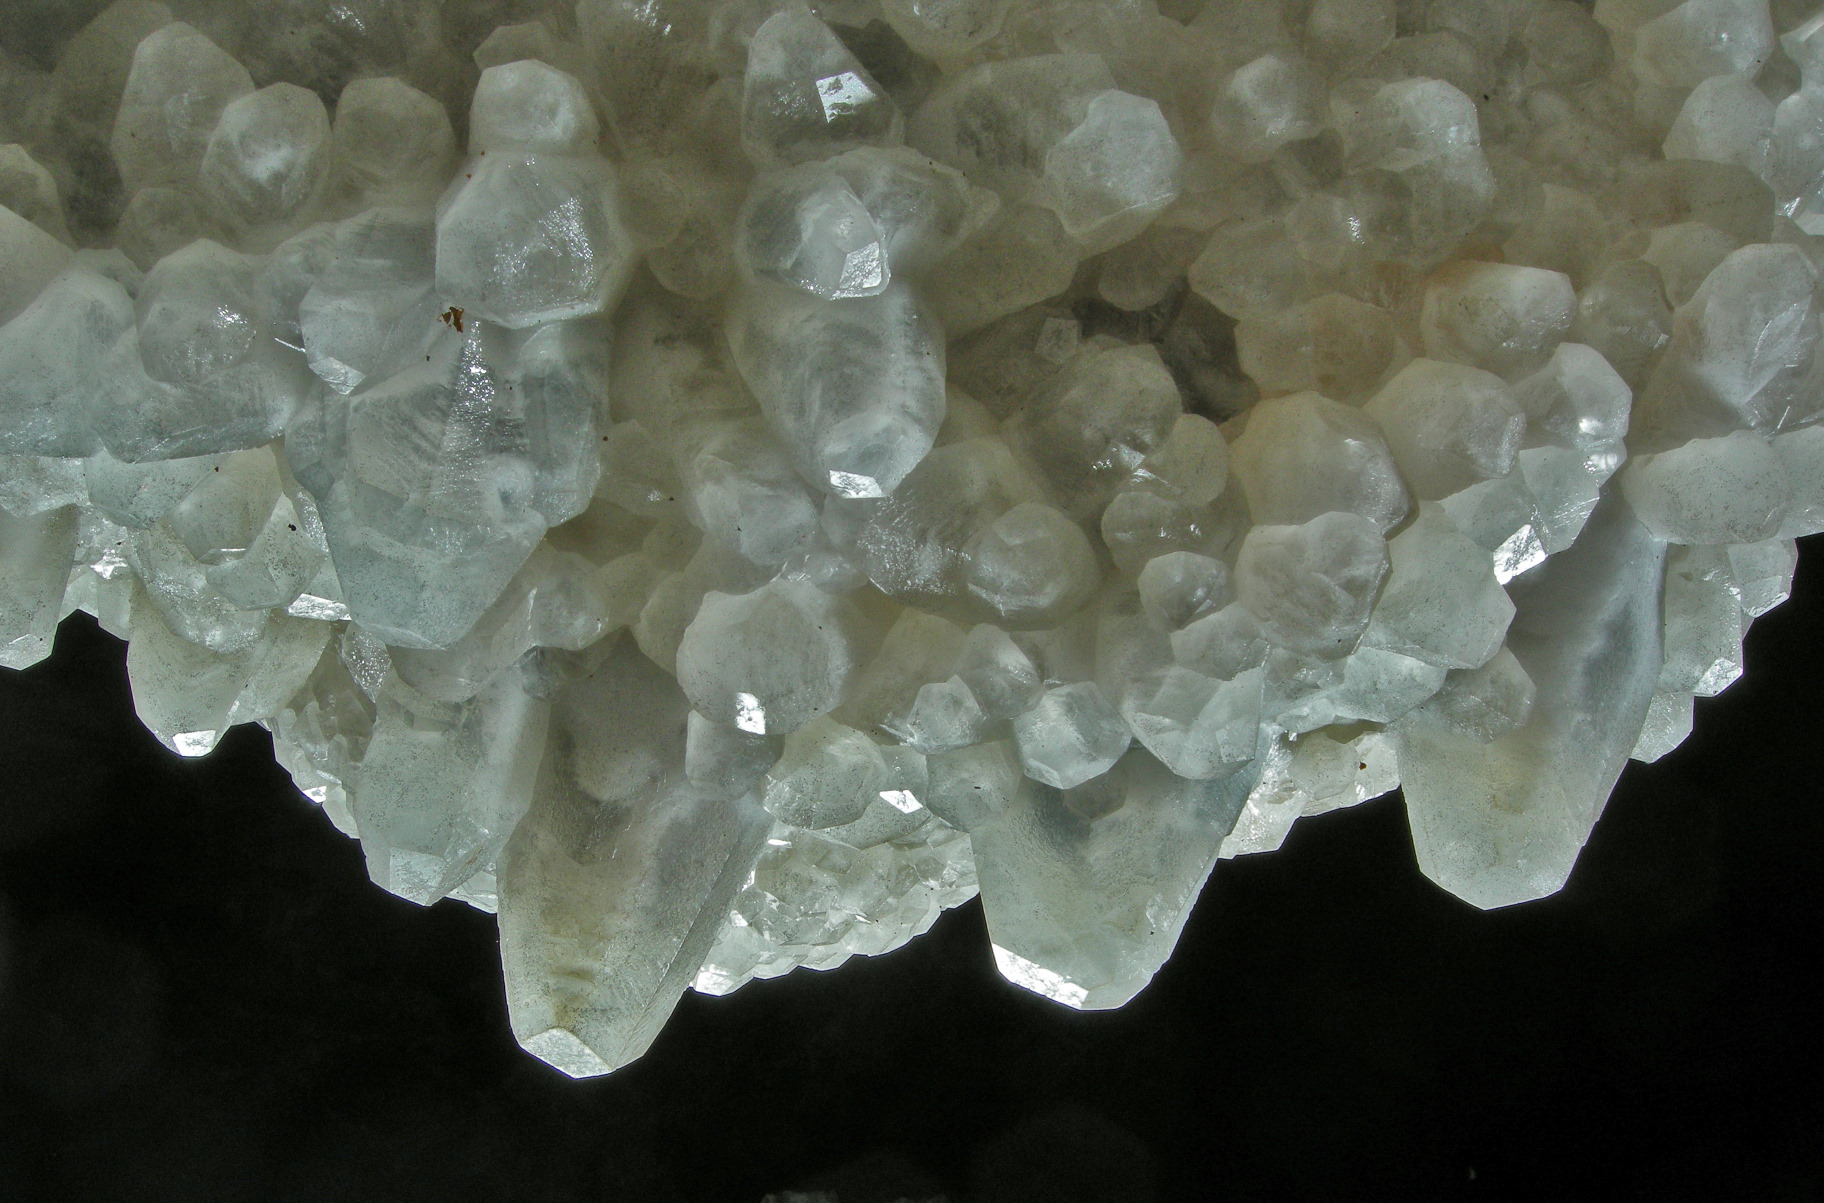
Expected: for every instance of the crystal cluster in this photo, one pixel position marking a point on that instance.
(721, 481)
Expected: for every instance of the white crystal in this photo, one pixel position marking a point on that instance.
(1496, 316)
(29, 260)
(1181, 586)
(1727, 490)
(531, 237)
(374, 306)
(826, 777)
(1071, 736)
(1486, 824)
(809, 462)
(1054, 130)
(1085, 891)
(613, 888)
(1313, 586)
(1276, 99)
(179, 86)
(767, 662)
(1725, 119)
(805, 228)
(392, 145)
(267, 162)
(532, 107)
(1700, 39)
(805, 96)
(854, 388)
(35, 553)
(1448, 426)
(1305, 455)
(1704, 624)
(1441, 602)
(1031, 566)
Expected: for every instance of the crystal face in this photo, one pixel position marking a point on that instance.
(783, 469)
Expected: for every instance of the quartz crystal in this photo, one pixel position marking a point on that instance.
(720, 482)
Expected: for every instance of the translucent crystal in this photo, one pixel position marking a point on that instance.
(1099, 420)
(1417, 138)
(806, 97)
(998, 673)
(1448, 426)
(1703, 38)
(1072, 735)
(1763, 573)
(54, 358)
(532, 107)
(1086, 890)
(1054, 130)
(1222, 645)
(532, 238)
(1474, 805)
(1495, 316)
(1276, 99)
(826, 777)
(267, 162)
(29, 260)
(921, 209)
(1032, 565)
(810, 462)
(743, 489)
(1670, 718)
(392, 145)
(614, 886)
(938, 27)
(1486, 702)
(1725, 119)
(207, 376)
(1019, 258)
(1305, 455)
(189, 695)
(441, 787)
(808, 230)
(1313, 586)
(767, 662)
(1441, 602)
(1181, 586)
(36, 552)
(374, 307)
(178, 88)
(727, 760)
(1199, 727)
(1577, 398)
(1703, 616)
(1728, 490)
(853, 388)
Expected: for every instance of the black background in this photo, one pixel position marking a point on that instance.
(201, 997)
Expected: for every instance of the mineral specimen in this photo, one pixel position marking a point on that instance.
(806, 463)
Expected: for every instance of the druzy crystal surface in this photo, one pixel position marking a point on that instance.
(721, 481)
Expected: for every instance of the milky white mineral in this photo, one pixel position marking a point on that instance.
(720, 482)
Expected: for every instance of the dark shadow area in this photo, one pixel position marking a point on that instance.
(202, 998)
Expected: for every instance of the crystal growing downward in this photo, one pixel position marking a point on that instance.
(721, 481)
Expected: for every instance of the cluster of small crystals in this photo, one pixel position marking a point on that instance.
(721, 481)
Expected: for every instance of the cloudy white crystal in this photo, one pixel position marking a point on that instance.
(810, 464)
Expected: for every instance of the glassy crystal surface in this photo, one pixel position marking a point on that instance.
(719, 483)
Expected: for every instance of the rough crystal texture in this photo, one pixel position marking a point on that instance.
(810, 463)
